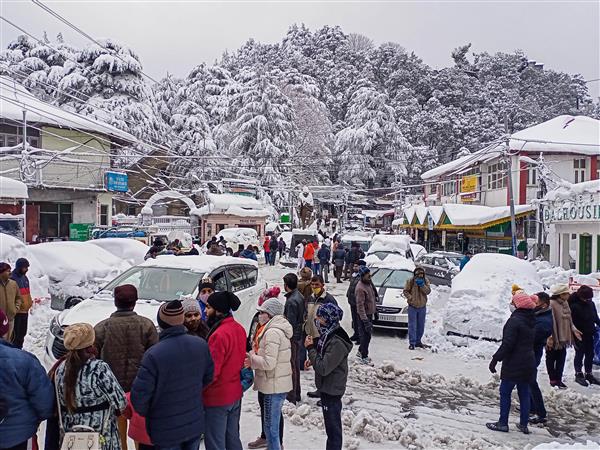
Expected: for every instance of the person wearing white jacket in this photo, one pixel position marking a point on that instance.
(271, 360)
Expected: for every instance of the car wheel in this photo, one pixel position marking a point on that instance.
(72, 301)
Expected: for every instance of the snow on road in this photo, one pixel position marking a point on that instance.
(412, 399)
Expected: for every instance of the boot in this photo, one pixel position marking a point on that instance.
(523, 428)
(591, 379)
(497, 426)
(580, 379)
(260, 442)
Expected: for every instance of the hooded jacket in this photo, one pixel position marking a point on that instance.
(311, 312)
(339, 257)
(272, 363)
(416, 296)
(331, 367)
(23, 284)
(324, 254)
(516, 350)
(10, 299)
(584, 315)
(294, 312)
(248, 254)
(366, 299)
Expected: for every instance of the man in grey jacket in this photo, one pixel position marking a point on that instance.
(294, 312)
(366, 303)
(329, 358)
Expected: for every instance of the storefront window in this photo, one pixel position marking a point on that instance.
(55, 219)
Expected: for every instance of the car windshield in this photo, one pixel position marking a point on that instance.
(397, 279)
(378, 276)
(158, 283)
(455, 260)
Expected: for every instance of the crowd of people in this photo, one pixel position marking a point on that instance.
(541, 322)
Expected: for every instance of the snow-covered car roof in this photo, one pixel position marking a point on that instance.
(131, 250)
(358, 236)
(12, 249)
(232, 233)
(479, 299)
(201, 263)
(398, 243)
(10, 188)
(392, 261)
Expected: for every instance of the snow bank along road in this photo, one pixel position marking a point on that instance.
(417, 400)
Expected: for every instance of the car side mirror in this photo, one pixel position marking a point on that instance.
(72, 301)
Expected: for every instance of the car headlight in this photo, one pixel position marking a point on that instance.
(55, 328)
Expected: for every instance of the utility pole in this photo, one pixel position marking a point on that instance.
(511, 197)
(24, 151)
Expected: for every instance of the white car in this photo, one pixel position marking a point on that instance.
(239, 236)
(478, 305)
(163, 279)
(131, 250)
(390, 277)
(383, 245)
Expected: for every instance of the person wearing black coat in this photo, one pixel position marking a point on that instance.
(273, 246)
(294, 311)
(585, 318)
(518, 361)
(543, 330)
(351, 296)
(339, 257)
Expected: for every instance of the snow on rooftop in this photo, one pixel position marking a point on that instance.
(568, 191)
(202, 263)
(19, 98)
(10, 188)
(436, 213)
(461, 214)
(409, 213)
(398, 243)
(464, 162)
(563, 134)
(421, 211)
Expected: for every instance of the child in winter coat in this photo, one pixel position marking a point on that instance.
(137, 427)
(518, 361)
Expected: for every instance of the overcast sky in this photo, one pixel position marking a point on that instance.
(175, 36)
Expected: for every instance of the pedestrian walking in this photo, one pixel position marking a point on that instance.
(319, 297)
(416, 291)
(19, 275)
(168, 388)
(352, 257)
(281, 246)
(273, 246)
(88, 392)
(300, 254)
(324, 255)
(351, 296)
(309, 255)
(316, 261)
(122, 340)
(267, 250)
(518, 361)
(339, 259)
(223, 397)
(586, 320)
(329, 359)
(366, 302)
(272, 367)
(304, 285)
(294, 312)
(564, 334)
(543, 330)
(192, 318)
(10, 299)
(26, 392)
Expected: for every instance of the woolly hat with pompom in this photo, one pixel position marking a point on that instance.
(523, 301)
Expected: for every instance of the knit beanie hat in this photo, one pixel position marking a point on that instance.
(272, 292)
(21, 263)
(361, 262)
(190, 305)
(79, 336)
(585, 292)
(170, 314)
(206, 282)
(273, 307)
(306, 273)
(125, 296)
(363, 271)
(524, 301)
(559, 289)
(224, 301)
(515, 288)
(3, 324)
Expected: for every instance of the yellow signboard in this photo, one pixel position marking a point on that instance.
(468, 184)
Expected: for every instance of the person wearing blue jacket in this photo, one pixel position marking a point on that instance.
(324, 255)
(465, 259)
(543, 330)
(26, 391)
(168, 388)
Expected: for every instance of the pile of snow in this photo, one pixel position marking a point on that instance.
(575, 446)
(184, 237)
(12, 249)
(77, 268)
(462, 214)
(397, 243)
(570, 191)
(130, 250)
(480, 295)
(10, 188)
(392, 261)
(237, 236)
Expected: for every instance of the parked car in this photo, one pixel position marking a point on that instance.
(390, 278)
(131, 250)
(361, 238)
(163, 279)
(440, 267)
(237, 236)
(383, 245)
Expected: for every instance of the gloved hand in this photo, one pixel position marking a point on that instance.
(420, 282)
(492, 365)
(368, 325)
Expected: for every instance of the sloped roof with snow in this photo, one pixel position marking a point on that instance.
(563, 134)
(568, 191)
(16, 98)
(233, 204)
(464, 162)
(10, 188)
(470, 215)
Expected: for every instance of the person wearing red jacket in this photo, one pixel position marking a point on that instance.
(309, 255)
(222, 398)
(137, 427)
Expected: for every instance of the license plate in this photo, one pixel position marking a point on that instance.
(388, 318)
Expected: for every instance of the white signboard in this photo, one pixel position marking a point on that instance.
(572, 212)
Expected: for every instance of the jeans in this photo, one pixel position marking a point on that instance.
(416, 324)
(192, 444)
(506, 388)
(584, 353)
(364, 337)
(273, 256)
(20, 329)
(537, 399)
(555, 364)
(273, 420)
(267, 257)
(325, 272)
(307, 263)
(296, 392)
(223, 427)
(338, 273)
(317, 268)
(21, 446)
(332, 416)
(355, 319)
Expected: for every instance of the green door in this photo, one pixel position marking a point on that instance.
(585, 254)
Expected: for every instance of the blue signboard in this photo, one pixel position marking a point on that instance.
(117, 181)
